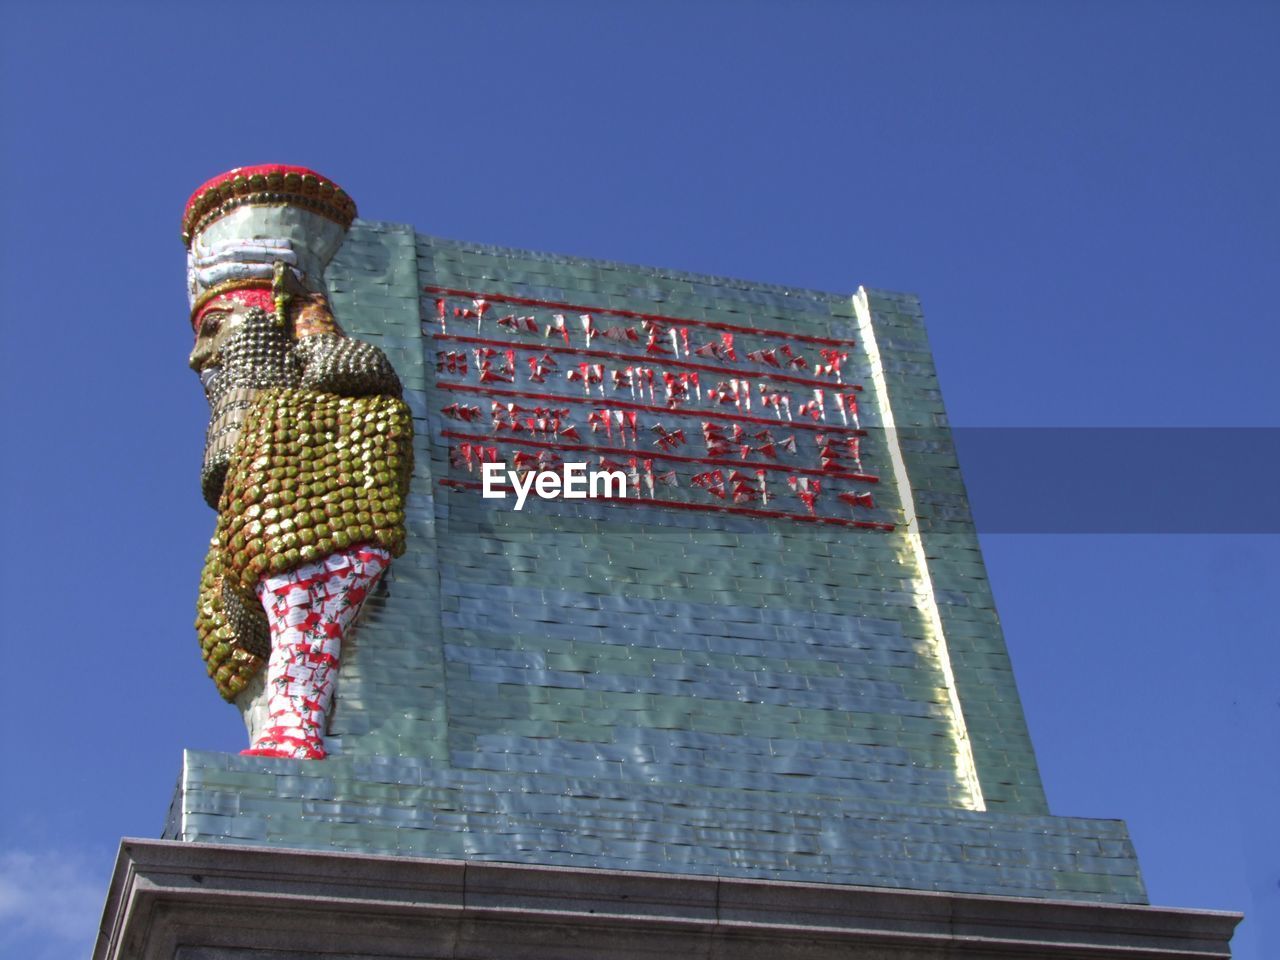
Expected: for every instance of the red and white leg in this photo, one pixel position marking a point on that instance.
(310, 609)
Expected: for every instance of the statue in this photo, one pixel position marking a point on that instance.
(307, 455)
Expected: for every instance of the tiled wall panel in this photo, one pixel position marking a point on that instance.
(700, 683)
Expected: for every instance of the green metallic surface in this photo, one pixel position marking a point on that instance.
(630, 687)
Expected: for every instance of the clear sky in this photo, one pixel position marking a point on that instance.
(1083, 194)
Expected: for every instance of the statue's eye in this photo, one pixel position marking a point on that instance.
(210, 323)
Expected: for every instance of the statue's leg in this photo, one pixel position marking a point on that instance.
(310, 609)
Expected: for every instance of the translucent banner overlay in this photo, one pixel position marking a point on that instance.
(1118, 479)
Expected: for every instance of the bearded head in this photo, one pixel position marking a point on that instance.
(258, 241)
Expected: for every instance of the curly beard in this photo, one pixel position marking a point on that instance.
(258, 355)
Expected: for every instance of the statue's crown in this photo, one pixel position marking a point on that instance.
(266, 184)
(245, 226)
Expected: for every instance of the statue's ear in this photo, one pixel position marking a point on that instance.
(312, 316)
(285, 291)
(302, 312)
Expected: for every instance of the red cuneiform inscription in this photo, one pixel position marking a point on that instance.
(699, 415)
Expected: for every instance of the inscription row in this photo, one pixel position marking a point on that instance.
(698, 414)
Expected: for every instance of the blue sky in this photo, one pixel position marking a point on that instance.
(1084, 195)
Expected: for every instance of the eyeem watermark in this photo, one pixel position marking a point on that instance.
(573, 482)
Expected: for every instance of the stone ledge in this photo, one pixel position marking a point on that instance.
(192, 901)
(415, 807)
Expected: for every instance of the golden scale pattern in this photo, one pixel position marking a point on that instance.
(311, 473)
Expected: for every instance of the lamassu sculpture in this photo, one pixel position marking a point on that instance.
(307, 456)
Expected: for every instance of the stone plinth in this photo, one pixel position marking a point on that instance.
(192, 901)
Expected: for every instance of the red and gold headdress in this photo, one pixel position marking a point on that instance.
(266, 184)
(255, 233)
